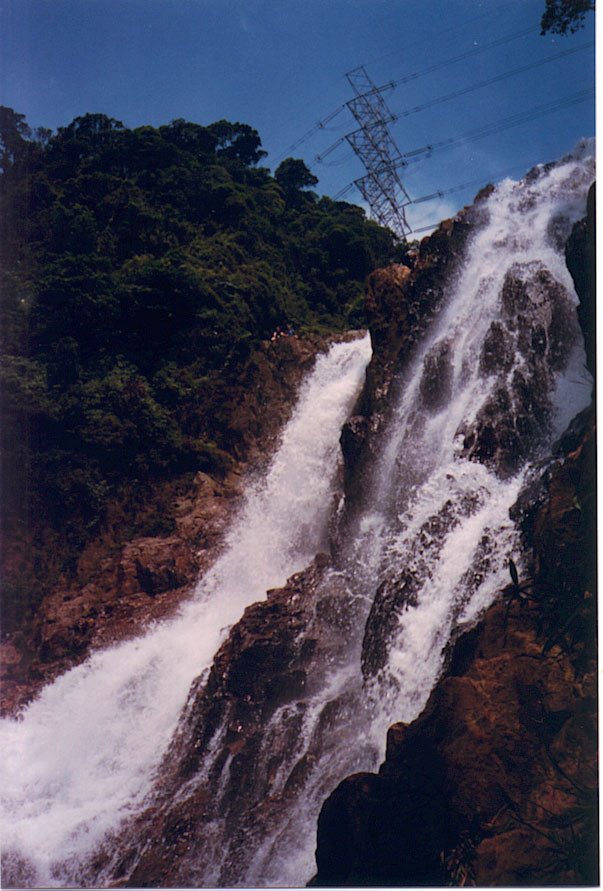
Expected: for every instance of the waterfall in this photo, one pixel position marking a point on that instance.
(479, 404)
(494, 384)
(82, 756)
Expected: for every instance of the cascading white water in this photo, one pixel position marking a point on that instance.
(506, 351)
(431, 550)
(497, 378)
(81, 757)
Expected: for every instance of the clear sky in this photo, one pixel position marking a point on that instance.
(280, 65)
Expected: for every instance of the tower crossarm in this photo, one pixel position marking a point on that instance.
(372, 142)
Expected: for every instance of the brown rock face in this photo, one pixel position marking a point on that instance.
(243, 750)
(401, 300)
(580, 257)
(496, 782)
(532, 342)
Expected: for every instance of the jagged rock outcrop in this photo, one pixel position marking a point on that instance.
(580, 258)
(121, 582)
(400, 302)
(243, 725)
(496, 782)
(537, 326)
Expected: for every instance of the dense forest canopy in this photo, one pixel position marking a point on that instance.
(140, 269)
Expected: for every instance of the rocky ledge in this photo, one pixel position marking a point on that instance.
(400, 302)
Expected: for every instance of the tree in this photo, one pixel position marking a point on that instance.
(293, 175)
(14, 133)
(238, 142)
(193, 138)
(561, 16)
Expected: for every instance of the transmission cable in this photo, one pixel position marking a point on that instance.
(424, 228)
(504, 124)
(462, 26)
(319, 125)
(499, 77)
(492, 80)
(472, 52)
(490, 129)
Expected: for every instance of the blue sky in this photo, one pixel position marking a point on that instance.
(280, 66)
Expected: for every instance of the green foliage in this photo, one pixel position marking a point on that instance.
(140, 270)
(292, 175)
(561, 16)
(14, 131)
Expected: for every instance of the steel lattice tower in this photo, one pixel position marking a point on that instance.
(381, 187)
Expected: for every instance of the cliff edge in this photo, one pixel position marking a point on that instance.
(496, 782)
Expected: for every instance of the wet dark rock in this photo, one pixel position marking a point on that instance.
(496, 782)
(539, 327)
(354, 442)
(243, 725)
(497, 352)
(580, 257)
(436, 383)
(400, 588)
(401, 301)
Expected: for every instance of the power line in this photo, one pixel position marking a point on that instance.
(472, 52)
(471, 88)
(481, 180)
(424, 228)
(492, 80)
(461, 26)
(504, 124)
(319, 125)
(490, 129)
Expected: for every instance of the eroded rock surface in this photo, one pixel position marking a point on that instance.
(244, 748)
(496, 782)
(401, 301)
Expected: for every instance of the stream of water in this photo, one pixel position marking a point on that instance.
(81, 757)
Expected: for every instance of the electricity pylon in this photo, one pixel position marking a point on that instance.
(381, 187)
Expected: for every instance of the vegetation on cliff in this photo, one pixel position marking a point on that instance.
(140, 270)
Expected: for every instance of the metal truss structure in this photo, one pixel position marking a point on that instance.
(381, 187)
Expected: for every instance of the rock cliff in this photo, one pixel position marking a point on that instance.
(400, 302)
(240, 729)
(496, 782)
